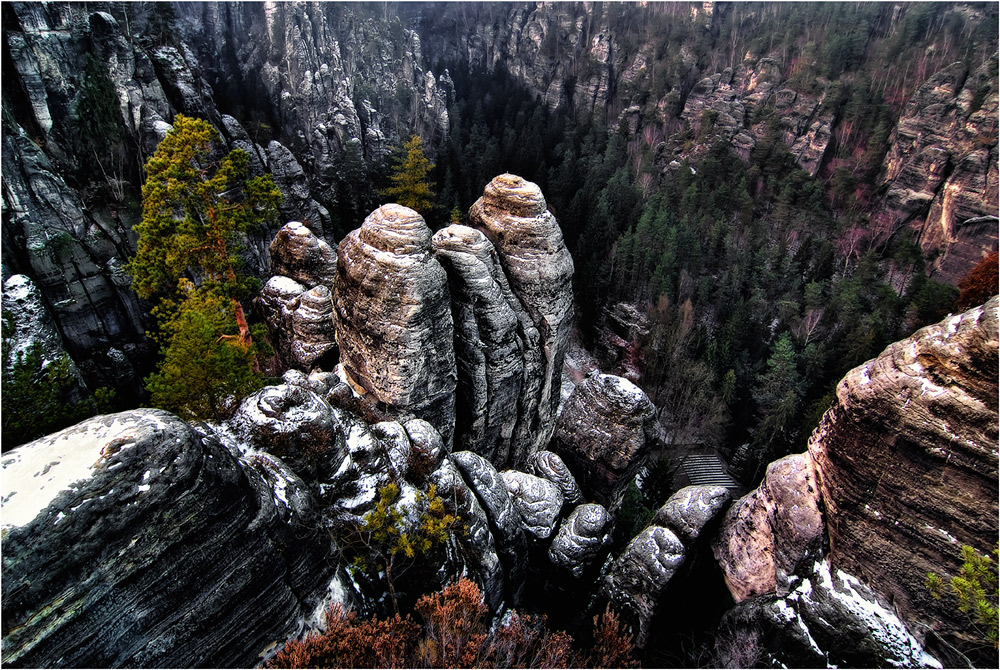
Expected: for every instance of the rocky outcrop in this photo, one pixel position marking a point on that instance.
(688, 511)
(135, 540)
(582, 536)
(513, 215)
(906, 461)
(940, 174)
(828, 620)
(505, 521)
(297, 253)
(393, 318)
(637, 578)
(604, 435)
(537, 500)
(291, 180)
(548, 465)
(772, 531)
(490, 341)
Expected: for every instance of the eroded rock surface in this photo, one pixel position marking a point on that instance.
(772, 531)
(605, 432)
(297, 253)
(490, 340)
(907, 461)
(537, 500)
(637, 577)
(514, 216)
(548, 464)
(132, 535)
(688, 511)
(393, 318)
(581, 538)
(828, 620)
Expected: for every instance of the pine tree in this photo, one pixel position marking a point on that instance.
(195, 211)
(410, 185)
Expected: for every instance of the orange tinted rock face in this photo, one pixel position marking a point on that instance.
(907, 460)
(772, 531)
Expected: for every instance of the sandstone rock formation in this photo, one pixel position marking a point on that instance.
(772, 531)
(604, 435)
(548, 464)
(505, 521)
(393, 318)
(906, 461)
(490, 341)
(637, 577)
(689, 510)
(513, 215)
(537, 500)
(131, 536)
(940, 173)
(828, 620)
(297, 253)
(582, 536)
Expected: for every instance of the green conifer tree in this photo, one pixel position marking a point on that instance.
(194, 215)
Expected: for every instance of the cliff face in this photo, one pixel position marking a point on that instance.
(901, 473)
(907, 460)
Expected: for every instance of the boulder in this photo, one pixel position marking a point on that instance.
(537, 500)
(490, 338)
(134, 540)
(638, 577)
(293, 423)
(770, 533)
(393, 318)
(277, 303)
(547, 464)
(513, 214)
(582, 536)
(505, 521)
(688, 511)
(906, 463)
(299, 254)
(605, 432)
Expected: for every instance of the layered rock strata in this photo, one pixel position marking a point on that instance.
(581, 538)
(132, 536)
(513, 215)
(772, 531)
(605, 432)
(537, 500)
(296, 252)
(490, 339)
(393, 318)
(906, 461)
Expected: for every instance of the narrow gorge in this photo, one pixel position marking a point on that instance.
(683, 315)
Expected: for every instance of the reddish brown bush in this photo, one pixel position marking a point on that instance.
(455, 634)
(979, 285)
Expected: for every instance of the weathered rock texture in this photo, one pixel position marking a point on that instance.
(513, 215)
(490, 341)
(604, 435)
(907, 461)
(548, 464)
(393, 318)
(537, 500)
(582, 536)
(826, 621)
(134, 540)
(505, 521)
(297, 253)
(688, 511)
(637, 578)
(772, 531)
(941, 170)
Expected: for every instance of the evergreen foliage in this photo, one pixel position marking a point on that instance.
(38, 394)
(410, 184)
(392, 536)
(196, 211)
(975, 591)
